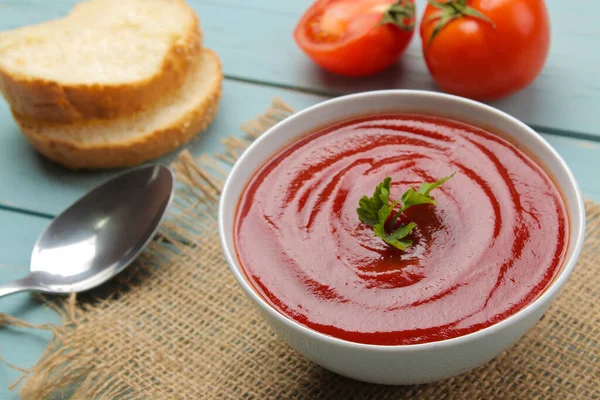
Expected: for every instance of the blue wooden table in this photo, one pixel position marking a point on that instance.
(260, 61)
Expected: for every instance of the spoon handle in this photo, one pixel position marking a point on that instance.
(16, 286)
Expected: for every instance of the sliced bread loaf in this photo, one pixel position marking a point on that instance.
(107, 58)
(145, 135)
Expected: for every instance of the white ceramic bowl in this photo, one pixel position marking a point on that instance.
(419, 363)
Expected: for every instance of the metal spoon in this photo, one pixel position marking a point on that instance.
(100, 234)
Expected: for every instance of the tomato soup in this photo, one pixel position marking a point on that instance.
(490, 246)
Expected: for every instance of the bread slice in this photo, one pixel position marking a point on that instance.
(145, 135)
(106, 59)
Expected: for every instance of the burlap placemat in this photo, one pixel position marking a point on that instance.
(176, 325)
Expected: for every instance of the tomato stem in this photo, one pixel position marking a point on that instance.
(450, 11)
(401, 14)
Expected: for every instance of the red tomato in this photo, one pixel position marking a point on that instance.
(489, 48)
(356, 37)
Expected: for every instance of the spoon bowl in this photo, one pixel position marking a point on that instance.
(100, 234)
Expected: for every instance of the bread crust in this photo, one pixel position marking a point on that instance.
(48, 101)
(74, 155)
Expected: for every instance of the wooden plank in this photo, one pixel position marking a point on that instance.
(22, 347)
(254, 40)
(582, 156)
(31, 183)
(563, 99)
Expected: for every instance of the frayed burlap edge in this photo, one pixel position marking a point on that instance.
(558, 359)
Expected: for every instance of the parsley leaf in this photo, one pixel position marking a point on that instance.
(426, 188)
(370, 206)
(396, 239)
(375, 211)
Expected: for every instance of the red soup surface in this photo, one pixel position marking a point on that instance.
(493, 242)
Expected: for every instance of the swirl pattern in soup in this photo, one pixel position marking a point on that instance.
(493, 242)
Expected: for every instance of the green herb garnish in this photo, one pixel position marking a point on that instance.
(375, 211)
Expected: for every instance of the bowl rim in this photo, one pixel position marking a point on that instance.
(572, 255)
